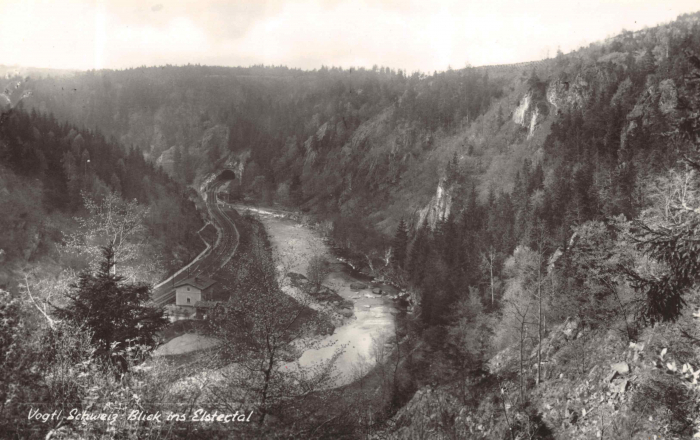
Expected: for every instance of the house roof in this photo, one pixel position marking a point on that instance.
(199, 281)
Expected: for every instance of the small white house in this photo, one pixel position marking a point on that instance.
(191, 290)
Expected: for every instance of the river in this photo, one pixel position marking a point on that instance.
(294, 244)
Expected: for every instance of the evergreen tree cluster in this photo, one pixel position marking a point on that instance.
(597, 172)
(67, 163)
(115, 312)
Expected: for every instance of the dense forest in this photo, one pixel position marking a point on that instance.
(600, 229)
(542, 219)
(56, 181)
(331, 141)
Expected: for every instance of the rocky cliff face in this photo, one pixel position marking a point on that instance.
(438, 208)
(525, 115)
(668, 97)
(659, 103)
(530, 113)
(563, 94)
(662, 97)
(215, 141)
(521, 111)
(165, 160)
(234, 161)
(567, 91)
(559, 95)
(209, 149)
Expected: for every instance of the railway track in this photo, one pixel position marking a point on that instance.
(213, 258)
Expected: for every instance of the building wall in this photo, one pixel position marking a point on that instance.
(181, 295)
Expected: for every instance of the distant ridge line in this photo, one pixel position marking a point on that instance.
(513, 66)
(687, 18)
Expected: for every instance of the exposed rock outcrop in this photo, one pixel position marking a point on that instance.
(658, 102)
(438, 208)
(166, 161)
(565, 93)
(521, 111)
(215, 141)
(668, 99)
(663, 98)
(622, 368)
(568, 94)
(530, 113)
(358, 286)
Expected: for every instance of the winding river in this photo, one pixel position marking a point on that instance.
(294, 244)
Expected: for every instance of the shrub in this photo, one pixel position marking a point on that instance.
(670, 403)
(317, 271)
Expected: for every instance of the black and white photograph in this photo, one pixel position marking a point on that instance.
(349, 219)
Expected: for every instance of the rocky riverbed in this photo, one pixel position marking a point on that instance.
(362, 310)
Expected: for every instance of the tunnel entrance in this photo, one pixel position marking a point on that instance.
(227, 175)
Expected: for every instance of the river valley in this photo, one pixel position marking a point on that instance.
(294, 244)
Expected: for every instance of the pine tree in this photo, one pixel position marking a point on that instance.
(115, 311)
(115, 183)
(418, 255)
(648, 63)
(296, 192)
(70, 170)
(472, 214)
(188, 166)
(400, 244)
(178, 165)
(499, 117)
(450, 240)
(452, 171)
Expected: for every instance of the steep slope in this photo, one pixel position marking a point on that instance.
(50, 174)
(324, 140)
(332, 140)
(595, 384)
(588, 288)
(537, 183)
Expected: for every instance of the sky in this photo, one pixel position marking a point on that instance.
(412, 35)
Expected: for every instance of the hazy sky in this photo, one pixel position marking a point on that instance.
(413, 35)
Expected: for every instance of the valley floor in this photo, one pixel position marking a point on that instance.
(371, 321)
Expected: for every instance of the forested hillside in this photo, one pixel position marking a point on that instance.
(542, 218)
(588, 262)
(63, 190)
(334, 141)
